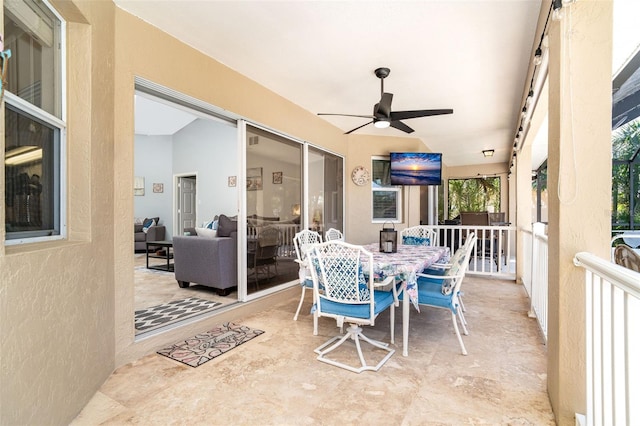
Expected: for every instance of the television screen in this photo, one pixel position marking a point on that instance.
(416, 168)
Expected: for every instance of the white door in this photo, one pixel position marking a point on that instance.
(187, 203)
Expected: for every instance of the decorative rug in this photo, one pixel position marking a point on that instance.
(203, 347)
(157, 316)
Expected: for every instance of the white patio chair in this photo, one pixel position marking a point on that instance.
(443, 291)
(303, 242)
(348, 297)
(419, 235)
(333, 234)
(441, 268)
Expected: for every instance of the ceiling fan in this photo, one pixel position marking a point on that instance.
(383, 117)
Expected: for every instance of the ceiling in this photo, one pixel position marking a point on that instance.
(470, 56)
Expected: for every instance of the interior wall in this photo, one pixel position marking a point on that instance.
(153, 158)
(210, 150)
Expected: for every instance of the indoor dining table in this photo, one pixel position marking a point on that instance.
(403, 266)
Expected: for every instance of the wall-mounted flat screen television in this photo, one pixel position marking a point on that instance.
(416, 168)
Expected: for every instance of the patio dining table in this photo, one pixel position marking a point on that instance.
(403, 266)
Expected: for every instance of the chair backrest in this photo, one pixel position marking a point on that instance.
(268, 243)
(304, 241)
(627, 257)
(474, 218)
(419, 235)
(333, 234)
(459, 264)
(338, 265)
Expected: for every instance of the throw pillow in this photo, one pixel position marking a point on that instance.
(212, 224)
(415, 241)
(148, 223)
(206, 232)
(226, 226)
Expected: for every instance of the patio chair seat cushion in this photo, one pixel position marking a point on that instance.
(430, 293)
(383, 299)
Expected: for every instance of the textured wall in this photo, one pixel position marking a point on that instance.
(56, 340)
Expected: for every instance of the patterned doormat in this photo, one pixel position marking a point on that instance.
(203, 347)
(176, 310)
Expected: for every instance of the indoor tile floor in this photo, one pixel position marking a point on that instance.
(275, 379)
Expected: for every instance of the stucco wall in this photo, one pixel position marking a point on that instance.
(57, 304)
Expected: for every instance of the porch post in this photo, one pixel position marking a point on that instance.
(579, 182)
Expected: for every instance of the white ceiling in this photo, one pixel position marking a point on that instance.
(471, 56)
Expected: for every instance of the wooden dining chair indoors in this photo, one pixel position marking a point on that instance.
(348, 297)
(419, 235)
(264, 253)
(303, 243)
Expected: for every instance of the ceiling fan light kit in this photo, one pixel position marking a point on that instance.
(383, 117)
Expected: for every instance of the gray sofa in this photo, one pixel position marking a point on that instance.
(154, 233)
(211, 262)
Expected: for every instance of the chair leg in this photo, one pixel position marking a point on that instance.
(304, 289)
(354, 332)
(455, 327)
(463, 321)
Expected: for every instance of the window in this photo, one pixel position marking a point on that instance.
(386, 199)
(473, 195)
(34, 122)
(540, 195)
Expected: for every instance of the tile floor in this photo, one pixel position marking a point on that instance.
(275, 379)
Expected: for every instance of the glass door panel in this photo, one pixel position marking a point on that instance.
(326, 191)
(273, 207)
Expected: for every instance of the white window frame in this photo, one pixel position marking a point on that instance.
(395, 188)
(59, 123)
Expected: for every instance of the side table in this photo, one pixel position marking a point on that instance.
(166, 253)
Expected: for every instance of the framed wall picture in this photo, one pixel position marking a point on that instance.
(158, 187)
(138, 185)
(254, 178)
(231, 181)
(277, 177)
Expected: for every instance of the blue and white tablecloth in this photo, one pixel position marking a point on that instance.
(405, 264)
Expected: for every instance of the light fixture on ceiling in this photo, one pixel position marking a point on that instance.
(488, 152)
(382, 124)
(22, 155)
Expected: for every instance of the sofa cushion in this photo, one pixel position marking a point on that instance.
(206, 232)
(226, 226)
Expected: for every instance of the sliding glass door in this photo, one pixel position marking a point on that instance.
(273, 208)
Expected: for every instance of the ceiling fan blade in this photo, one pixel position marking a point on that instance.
(359, 127)
(347, 115)
(383, 108)
(403, 115)
(401, 126)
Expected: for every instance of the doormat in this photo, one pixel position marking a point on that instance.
(203, 347)
(176, 310)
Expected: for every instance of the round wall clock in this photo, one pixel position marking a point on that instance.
(360, 176)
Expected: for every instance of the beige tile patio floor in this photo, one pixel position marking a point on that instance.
(275, 379)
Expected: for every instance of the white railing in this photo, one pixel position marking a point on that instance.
(535, 274)
(287, 232)
(612, 314)
(494, 253)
